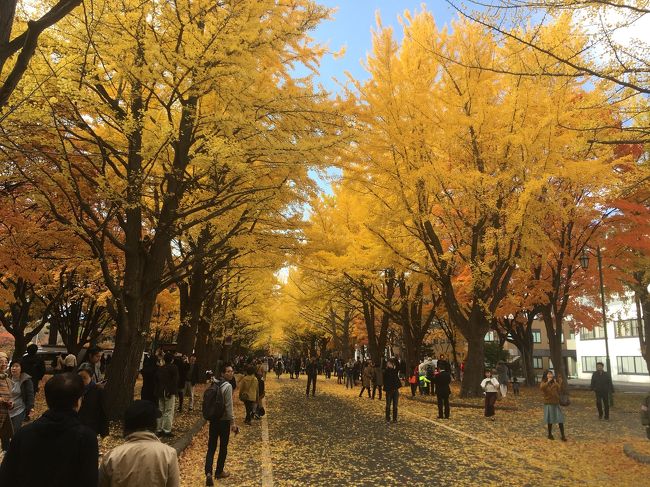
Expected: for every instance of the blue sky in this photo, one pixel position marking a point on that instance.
(351, 27)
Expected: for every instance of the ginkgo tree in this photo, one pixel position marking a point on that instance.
(132, 123)
(462, 157)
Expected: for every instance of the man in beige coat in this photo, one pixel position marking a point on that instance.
(142, 460)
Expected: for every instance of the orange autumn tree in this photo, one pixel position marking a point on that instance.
(462, 157)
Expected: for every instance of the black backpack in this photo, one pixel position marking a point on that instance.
(214, 405)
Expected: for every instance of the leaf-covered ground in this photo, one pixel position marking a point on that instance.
(337, 438)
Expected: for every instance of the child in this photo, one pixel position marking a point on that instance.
(515, 386)
(491, 386)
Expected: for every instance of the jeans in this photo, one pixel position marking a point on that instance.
(219, 430)
(443, 402)
(602, 398)
(376, 387)
(166, 406)
(189, 392)
(392, 397)
(311, 381)
(349, 381)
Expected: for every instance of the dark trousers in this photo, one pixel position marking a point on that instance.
(414, 388)
(490, 401)
(311, 381)
(181, 394)
(376, 387)
(250, 409)
(219, 430)
(364, 388)
(443, 401)
(602, 398)
(392, 397)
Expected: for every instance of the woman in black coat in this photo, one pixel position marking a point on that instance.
(91, 412)
(148, 373)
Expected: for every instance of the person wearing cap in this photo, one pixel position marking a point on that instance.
(56, 450)
(142, 459)
(91, 412)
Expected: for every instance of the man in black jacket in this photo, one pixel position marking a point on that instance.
(55, 450)
(601, 384)
(166, 389)
(442, 381)
(34, 366)
(391, 387)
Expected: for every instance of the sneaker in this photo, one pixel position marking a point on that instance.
(160, 434)
(222, 475)
(564, 438)
(550, 437)
(208, 480)
(394, 421)
(168, 434)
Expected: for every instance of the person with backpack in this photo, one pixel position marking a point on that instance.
(218, 410)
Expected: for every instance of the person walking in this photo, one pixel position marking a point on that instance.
(392, 385)
(414, 380)
(56, 450)
(193, 378)
(148, 373)
(503, 376)
(553, 414)
(491, 386)
(248, 392)
(312, 372)
(377, 380)
(349, 374)
(6, 403)
(220, 427)
(166, 389)
(34, 366)
(22, 395)
(602, 385)
(183, 365)
(443, 391)
(142, 459)
(366, 379)
(92, 412)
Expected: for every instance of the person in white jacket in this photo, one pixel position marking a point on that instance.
(490, 385)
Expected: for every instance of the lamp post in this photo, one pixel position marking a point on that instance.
(584, 263)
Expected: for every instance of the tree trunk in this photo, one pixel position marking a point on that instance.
(554, 333)
(54, 333)
(475, 361)
(643, 320)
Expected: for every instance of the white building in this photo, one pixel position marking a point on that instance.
(627, 362)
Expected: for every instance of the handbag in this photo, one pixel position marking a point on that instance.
(564, 399)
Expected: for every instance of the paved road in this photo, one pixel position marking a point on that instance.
(336, 438)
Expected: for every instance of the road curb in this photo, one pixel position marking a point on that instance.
(185, 440)
(635, 455)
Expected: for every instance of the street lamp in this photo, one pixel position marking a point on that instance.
(584, 263)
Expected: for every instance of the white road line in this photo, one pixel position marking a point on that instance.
(267, 465)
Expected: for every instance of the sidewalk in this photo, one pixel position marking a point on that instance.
(625, 387)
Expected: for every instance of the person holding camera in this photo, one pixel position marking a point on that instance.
(551, 388)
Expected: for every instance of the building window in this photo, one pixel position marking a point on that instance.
(632, 365)
(589, 363)
(572, 333)
(537, 336)
(626, 328)
(538, 363)
(594, 334)
(490, 336)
